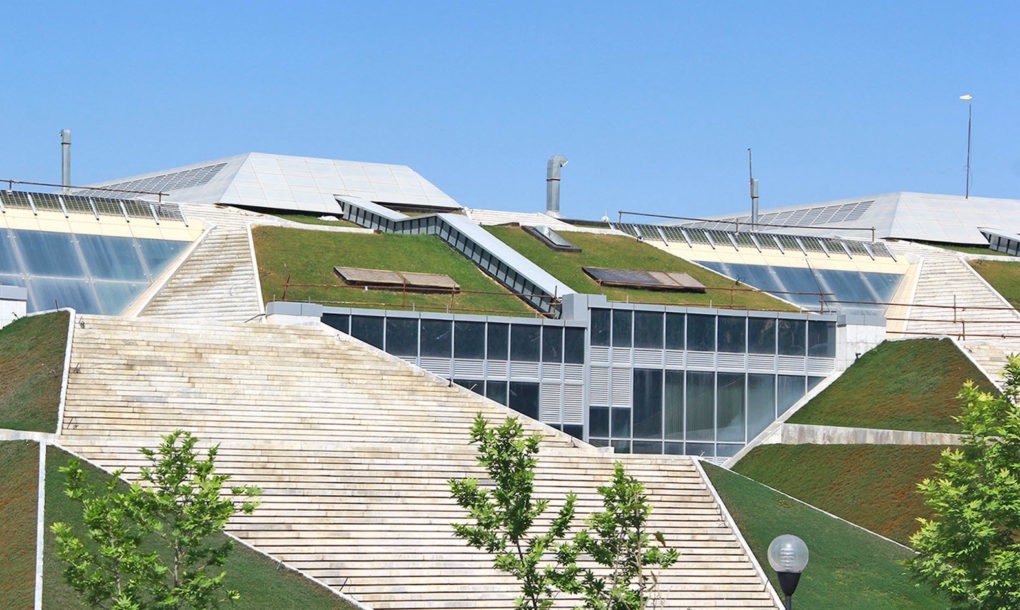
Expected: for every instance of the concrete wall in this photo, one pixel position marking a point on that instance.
(13, 304)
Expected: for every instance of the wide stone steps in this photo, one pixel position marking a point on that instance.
(353, 450)
(217, 282)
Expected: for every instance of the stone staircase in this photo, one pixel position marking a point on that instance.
(353, 450)
(217, 282)
(984, 323)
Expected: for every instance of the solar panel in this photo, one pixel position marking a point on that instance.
(657, 280)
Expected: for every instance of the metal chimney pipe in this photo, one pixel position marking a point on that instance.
(552, 185)
(65, 145)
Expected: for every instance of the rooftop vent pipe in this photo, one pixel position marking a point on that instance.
(552, 185)
(65, 145)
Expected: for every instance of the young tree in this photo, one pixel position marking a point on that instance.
(175, 513)
(503, 518)
(970, 549)
(620, 542)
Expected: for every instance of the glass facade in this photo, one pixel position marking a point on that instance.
(91, 273)
(814, 289)
(651, 381)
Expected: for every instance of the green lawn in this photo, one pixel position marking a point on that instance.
(899, 385)
(261, 582)
(313, 219)
(307, 257)
(1003, 276)
(874, 486)
(18, 501)
(32, 360)
(620, 252)
(848, 569)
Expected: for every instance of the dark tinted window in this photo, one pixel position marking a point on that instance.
(600, 327)
(761, 335)
(369, 329)
(621, 328)
(524, 344)
(573, 345)
(647, 403)
(598, 421)
(822, 339)
(498, 342)
(340, 322)
(732, 334)
(701, 333)
(792, 337)
(552, 344)
(436, 338)
(675, 331)
(469, 340)
(524, 398)
(496, 390)
(402, 336)
(648, 329)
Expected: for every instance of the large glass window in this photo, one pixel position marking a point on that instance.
(790, 389)
(600, 325)
(673, 405)
(111, 258)
(598, 421)
(524, 398)
(496, 390)
(647, 403)
(700, 406)
(498, 342)
(341, 322)
(761, 335)
(552, 344)
(469, 340)
(732, 334)
(50, 254)
(436, 338)
(369, 329)
(573, 345)
(730, 401)
(675, 331)
(792, 337)
(402, 336)
(822, 339)
(761, 403)
(8, 263)
(622, 328)
(620, 422)
(701, 333)
(524, 342)
(648, 329)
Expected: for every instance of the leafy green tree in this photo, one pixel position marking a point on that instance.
(151, 545)
(502, 519)
(970, 549)
(619, 541)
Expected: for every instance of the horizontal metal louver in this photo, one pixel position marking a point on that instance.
(701, 360)
(731, 361)
(621, 355)
(822, 366)
(468, 368)
(573, 372)
(599, 355)
(549, 404)
(647, 357)
(527, 370)
(497, 368)
(760, 363)
(622, 387)
(552, 370)
(792, 364)
(439, 366)
(573, 404)
(675, 359)
(599, 386)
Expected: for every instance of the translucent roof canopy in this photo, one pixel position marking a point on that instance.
(915, 216)
(300, 184)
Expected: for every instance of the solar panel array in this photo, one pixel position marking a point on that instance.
(716, 238)
(95, 206)
(804, 217)
(161, 183)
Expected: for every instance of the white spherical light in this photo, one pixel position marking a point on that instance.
(788, 553)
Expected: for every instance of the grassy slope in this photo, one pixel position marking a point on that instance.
(261, 582)
(1004, 276)
(32, 361)
(18, 476)
(308, 257)
(899, 385)
(848, 567)
(874, 486)
(313, 219)
(626, 253)
(982, 250)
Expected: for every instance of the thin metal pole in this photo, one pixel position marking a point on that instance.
(969, 117)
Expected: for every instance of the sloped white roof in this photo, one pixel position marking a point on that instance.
(915, 216)
(301, 184)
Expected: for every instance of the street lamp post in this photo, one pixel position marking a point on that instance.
(788, 556)
(968, 98)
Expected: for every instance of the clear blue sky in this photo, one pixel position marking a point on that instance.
(655, 103)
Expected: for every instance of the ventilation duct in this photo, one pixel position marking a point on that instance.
(552, 185)
(65, 157)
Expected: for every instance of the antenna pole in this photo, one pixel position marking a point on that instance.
(754, 190)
